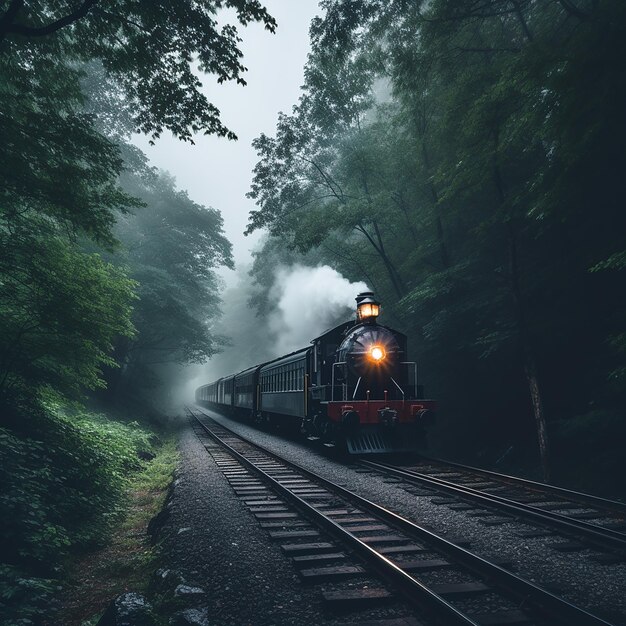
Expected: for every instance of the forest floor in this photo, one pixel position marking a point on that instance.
(127, 561)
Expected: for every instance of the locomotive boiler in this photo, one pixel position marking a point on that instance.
(352, 387)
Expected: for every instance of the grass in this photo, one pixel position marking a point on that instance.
(127, 561)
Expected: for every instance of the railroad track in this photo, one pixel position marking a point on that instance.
(333, 535)
(590, 521)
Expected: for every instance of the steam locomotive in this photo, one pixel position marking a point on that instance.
(351, 387)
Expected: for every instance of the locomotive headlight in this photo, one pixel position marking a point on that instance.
(367, 307)
(377, 353)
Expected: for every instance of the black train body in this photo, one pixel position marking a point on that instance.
(353, 387)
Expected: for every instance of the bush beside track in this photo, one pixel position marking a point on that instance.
(65, 475)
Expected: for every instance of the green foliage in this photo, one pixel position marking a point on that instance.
(470, 171)
(75, 82)
(171, 249)
(60, 309)
(64, 474)
(146, 48)
(53, 162)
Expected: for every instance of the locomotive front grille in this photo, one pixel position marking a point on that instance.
(376, 442)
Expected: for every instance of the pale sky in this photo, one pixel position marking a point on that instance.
(217, 172)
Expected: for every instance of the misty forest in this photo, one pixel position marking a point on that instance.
(463, 160)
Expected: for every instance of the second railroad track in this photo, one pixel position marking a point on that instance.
(333, 535)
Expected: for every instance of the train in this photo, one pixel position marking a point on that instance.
(351, 388)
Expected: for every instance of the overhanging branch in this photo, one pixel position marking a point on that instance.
(8, 27)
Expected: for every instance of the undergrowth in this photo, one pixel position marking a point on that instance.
(127, 560)
(64, 476)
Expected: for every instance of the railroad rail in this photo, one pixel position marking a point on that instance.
(564, 510)
(565, 494)
(384, 541)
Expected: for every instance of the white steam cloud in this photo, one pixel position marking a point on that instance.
(306, 302)
(309, 301)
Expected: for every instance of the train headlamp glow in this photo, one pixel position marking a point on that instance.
(368, 310)
(367, 307)
(377, 353)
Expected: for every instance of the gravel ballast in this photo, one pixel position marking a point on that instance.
(598, 588)
(215, 544)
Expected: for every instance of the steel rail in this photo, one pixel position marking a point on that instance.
(414, 591)
(577, 496)
(530, 595)
(605, 538)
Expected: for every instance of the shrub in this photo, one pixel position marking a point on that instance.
(63, 474)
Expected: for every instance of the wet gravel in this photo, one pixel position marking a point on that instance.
(599, 588)
(216, 544)
(240, 576)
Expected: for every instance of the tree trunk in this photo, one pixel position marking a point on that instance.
(530, 369)
(528, 358)
(443, 249)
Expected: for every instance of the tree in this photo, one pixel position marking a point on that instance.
(149, 48)
(494, 172)
(171, 248)
(60, 310)
(58, 171)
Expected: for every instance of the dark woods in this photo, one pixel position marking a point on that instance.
(106, 269)
(466, 160)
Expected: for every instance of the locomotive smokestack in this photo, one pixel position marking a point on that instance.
(367, 308)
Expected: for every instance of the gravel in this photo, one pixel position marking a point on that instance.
(598, 588)
(213, 541)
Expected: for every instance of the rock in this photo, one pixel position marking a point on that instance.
(156, 524)
(191, 617)
(129, 609)
(165, 581)
(185, 591)
(145, 455)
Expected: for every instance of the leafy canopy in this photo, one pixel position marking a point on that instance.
(149, 48)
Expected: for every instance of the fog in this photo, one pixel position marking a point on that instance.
(217, 172)
(306, 301)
